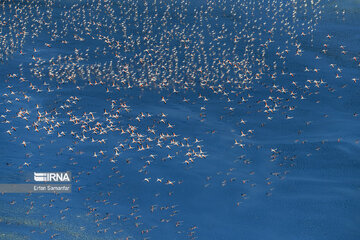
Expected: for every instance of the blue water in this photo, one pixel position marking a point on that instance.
(247, 113)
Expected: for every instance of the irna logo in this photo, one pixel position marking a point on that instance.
(52, 177)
